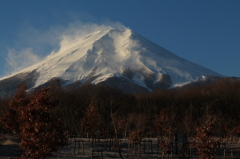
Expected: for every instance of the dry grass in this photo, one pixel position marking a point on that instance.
(6, 139)
(9, 148)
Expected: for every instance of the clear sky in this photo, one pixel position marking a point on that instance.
(206, 32)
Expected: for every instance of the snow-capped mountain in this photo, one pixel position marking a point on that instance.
(120, 58)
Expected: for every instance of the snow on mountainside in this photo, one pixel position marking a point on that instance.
(112, 54)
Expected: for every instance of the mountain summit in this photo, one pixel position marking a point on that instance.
(120, 58)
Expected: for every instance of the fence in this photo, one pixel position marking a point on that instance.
(106, 148)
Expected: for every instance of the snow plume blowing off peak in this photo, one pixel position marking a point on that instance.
(116, 57)
(19, 60)
(98, 55)
(78, 30)
(34, 45)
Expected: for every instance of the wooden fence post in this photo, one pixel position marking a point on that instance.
(224, 154)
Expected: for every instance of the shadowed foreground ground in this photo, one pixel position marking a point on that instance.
(86, 149)
(10, 151)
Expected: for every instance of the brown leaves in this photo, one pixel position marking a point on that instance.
(164, 145)
(18, 102)
(163, 124)
(91, 121)
(31, 119)
(205, 143)
(135, 136)
(164, 129)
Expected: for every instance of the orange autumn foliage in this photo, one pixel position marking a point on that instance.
(31, 119)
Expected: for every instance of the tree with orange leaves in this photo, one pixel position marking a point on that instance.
(205, 143)
(163, 126)
(91, 121)
(39, 131)
(11, 118)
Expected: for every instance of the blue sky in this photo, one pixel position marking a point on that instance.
(206, 32)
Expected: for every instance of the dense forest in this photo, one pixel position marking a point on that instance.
(184, 108)
(102, 111)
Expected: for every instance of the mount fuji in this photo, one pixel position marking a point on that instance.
(120, 58)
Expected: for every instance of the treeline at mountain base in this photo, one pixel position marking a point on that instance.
(100, 111)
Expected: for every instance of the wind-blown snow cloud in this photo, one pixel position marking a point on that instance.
(78, 30)
(19, 60)
(33, 45)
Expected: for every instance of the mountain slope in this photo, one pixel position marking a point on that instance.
(109, 56)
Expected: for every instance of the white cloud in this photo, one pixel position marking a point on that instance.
(17, 61)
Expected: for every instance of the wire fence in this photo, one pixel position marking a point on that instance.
(146, 148)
